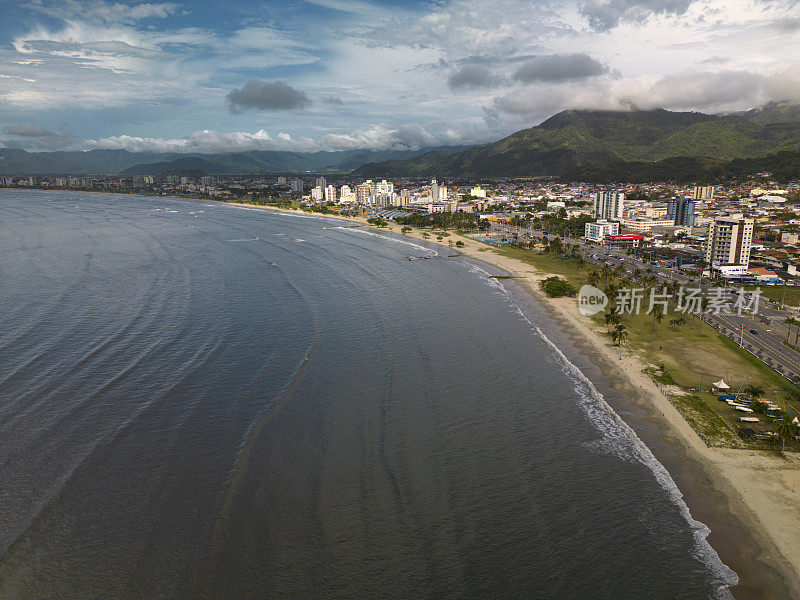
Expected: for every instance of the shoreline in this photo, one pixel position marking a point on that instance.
(761, 491)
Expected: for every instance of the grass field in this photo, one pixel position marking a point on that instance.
(547, 263)
(792, 297)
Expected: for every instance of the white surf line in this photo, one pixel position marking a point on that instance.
(363, 231)
(620, 440)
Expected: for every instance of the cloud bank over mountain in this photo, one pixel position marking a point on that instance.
(344, 74)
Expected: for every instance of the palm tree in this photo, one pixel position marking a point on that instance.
(611, 291)
(593, 277)
(605, 271)
(658, 315)
(620, 334)
(611, 317)
(679, 322)
(754, 390)
(786, 428)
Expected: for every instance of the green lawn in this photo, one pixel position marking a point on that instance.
(548, 263)
(792, 297)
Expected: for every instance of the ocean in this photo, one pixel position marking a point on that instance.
(200, 400)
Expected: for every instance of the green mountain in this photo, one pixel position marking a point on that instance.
(99, 162)
(783, 167)
(575, 139)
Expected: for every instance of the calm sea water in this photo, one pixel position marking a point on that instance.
(205, 401)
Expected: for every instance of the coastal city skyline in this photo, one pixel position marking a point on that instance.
(337, 74)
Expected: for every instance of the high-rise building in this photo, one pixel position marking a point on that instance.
(321, 183)
(703, 192)
(729, 241)
(330, 193)
(207, 180)
(363, 192)
(681, 211)
(297, 185)
(478, 192)
(317, 194)
(434, 191)
(609, 205)
(381, 188)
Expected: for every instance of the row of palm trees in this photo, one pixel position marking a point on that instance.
(614, 279)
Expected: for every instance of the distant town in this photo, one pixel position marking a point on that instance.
(745, 233)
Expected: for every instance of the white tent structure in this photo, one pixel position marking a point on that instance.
(720, 386)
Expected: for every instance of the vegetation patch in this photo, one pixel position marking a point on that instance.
(555, 287)
(706, 422)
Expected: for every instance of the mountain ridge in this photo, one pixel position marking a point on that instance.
(15, 161)
(573, 139)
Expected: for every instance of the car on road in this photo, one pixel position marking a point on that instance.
(754, 331)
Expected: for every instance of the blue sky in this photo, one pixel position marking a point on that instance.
(337, 74)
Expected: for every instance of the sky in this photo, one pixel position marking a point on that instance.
(312, 75)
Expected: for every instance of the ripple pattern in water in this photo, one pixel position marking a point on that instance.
(205, 401)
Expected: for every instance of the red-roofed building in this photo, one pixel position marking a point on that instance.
(624, 239)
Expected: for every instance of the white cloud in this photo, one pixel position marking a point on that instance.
(703, 91)
(205, 142)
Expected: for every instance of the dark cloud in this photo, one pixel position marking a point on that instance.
(472, 76)
(787, 25)
(716, 60)
(606, 14)
(559, 67)
(29, 130)
(333, 100)
(34, 137)
(265, 95)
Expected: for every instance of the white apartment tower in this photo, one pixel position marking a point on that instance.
(703, 192)
(363, 191)
(609, 205)
(382, 188)
(330, 193)
(729, 241)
